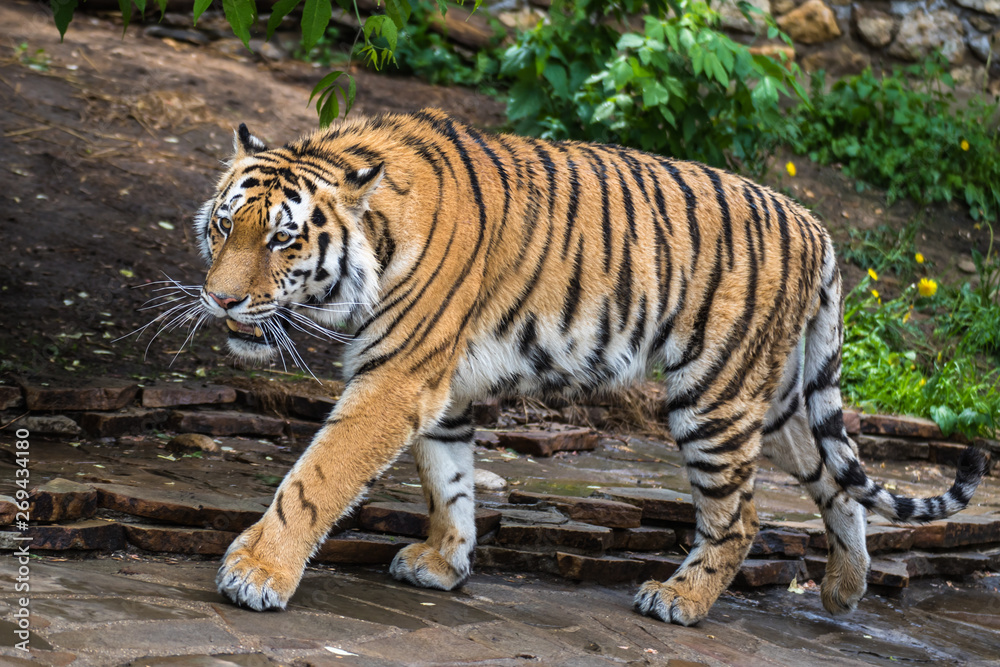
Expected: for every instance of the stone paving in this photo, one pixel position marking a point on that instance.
(140, 472)
(130, 610)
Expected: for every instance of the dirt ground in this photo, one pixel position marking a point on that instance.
(107, 153)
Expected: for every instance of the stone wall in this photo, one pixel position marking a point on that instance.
(844, 37)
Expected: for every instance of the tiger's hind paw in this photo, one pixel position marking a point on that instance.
(423, 565)
(841, 594)
(661, 601)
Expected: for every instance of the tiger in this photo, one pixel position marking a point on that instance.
(466, 265)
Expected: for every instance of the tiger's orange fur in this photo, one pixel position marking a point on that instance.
(472, 265)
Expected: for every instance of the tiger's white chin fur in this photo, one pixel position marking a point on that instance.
(252, 352)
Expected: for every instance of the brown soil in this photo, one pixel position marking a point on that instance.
(107, 154)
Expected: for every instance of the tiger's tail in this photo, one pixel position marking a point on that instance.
(821, 382)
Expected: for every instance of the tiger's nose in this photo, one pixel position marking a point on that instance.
(225, 301)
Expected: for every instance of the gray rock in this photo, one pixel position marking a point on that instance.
(49, 424)
(873, 26)
(922, 32)
(733, 19)
(984, 6)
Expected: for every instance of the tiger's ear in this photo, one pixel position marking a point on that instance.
(360, 185)
(245, 144)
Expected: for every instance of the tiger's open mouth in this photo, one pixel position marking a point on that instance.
(248, 332)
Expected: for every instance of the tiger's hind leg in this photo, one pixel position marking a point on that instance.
(445, 463)
(790, 445)
(721, 459)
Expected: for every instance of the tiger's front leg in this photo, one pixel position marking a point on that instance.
(444, 461)
(371, 425)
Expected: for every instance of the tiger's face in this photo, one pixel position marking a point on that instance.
(286, 248)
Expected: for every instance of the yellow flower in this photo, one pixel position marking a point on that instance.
(872, 274)
(790, 168)
(923, 381)
(927, 287)
(875, 294)
(919, 258)
(964, 145)
(940, 354)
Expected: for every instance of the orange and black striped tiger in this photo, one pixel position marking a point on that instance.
(471, 265)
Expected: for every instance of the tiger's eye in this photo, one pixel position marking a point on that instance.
(282, 237)
(226, 224)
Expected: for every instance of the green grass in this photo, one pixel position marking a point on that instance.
(950, 375)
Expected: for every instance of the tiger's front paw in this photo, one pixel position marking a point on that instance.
(423, 565)
(664, 602)
(251, 577)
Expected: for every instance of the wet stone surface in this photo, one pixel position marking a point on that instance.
(129, 610)
(614, 515)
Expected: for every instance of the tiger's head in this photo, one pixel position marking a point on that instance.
(286, 246)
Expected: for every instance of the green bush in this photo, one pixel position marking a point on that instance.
(680, 87)
(904, 132)
(974, 312)
(423, 52)
(890, 365)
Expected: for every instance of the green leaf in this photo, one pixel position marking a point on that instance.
(279, 11)
(141, 4)
(555, 74)
(241, 15)
(523, 100)
(62, 11)
(162, 4)
(382, 26)
(630, 40)
(315, 18)
(199, 8)
(945, 418)
(126, 8)
(603, 111)
(398, 11)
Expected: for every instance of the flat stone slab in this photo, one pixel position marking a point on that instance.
(958, 531)
(127, 421)
(756, 572)
(107, 395)
(657, 566)
(606, 569)
(879, 538)
(62, 500)
(547, 443)
(10, 397)
(608, 513)
(572, 534)
(225, 422)
(353, 547)
(169, 396)
(910, 427)
(518, 560)
(891, 448)
(644, 538)
(189, 508)
(779, 542)
(90, 535)
(183, 540)
(656, 504)
(412, 519)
